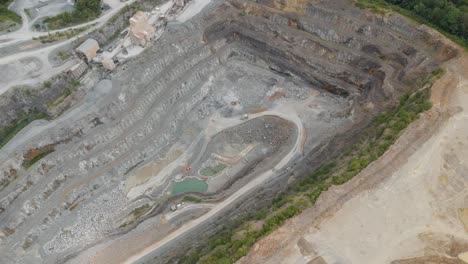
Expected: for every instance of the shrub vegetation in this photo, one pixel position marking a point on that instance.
(7, 15)
(85, 10)
(448, 16)
(8, 132)
(227, 247)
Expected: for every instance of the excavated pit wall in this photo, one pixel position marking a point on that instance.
(255, 200)
(342, 70)
(401, 68)
(354, 56)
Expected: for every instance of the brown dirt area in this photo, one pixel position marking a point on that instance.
(383, 214)
(277, 95)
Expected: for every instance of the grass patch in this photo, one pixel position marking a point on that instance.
(52, 37)
(85, 10)
(139, 211)
(128, 8)
(63, 55)
(8, 132)
(136, 213)
(34, 155)
(448, 17)
(8, 15)
(211, 171)
(226, 247)
(28, 13)
(73, 207)
(36, 159)
(6, 25)
(376, 8)
(67, 91)
(388, 127)
(192, 199)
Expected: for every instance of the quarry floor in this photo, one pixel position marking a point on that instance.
(407, 206)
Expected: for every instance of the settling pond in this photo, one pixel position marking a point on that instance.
(189, 185)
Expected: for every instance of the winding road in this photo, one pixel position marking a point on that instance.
(284, 111)
(25, 33)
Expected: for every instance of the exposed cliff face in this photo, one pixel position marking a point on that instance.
(427, 229)
(406, 207)
(359, 55)
(373, 61)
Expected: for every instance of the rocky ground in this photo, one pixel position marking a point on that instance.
(407, 207)
(95, 184)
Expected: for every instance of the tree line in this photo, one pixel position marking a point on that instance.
(449, 15)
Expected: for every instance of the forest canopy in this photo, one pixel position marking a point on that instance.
(449, 15)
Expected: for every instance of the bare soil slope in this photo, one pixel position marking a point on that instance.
(407, 207)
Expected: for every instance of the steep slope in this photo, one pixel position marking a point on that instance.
(407, 207)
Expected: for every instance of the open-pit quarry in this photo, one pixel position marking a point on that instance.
(234, 102)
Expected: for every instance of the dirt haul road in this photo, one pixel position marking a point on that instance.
(410, 205)
(47, 70)
(27, 33)
(283, 112)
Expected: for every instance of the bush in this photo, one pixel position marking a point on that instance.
(6, 14)
(338, 180)
(85, 10)
(278, 201)
(8, 132)
(318, 190)
(192, 199)
(448, 16)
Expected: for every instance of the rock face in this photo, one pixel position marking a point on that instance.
(323, 68)
(406, 207)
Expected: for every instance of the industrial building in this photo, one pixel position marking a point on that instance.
(77, 70)
(88, 50)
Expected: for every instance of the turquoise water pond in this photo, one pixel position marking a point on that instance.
(189, 185)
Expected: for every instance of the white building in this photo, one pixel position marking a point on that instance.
(88, 49)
